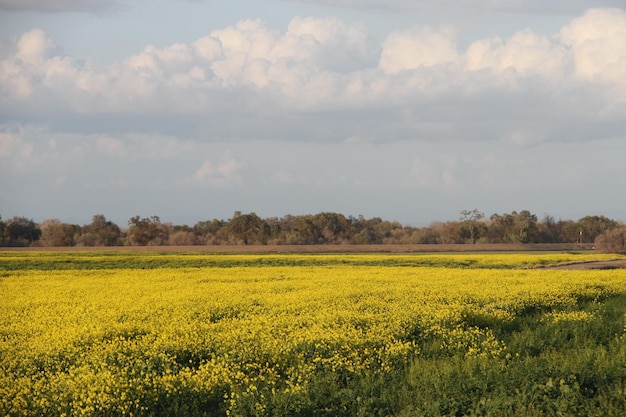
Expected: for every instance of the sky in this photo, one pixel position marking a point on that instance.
(408, 110)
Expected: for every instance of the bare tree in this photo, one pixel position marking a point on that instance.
(612, 241)
(471, 218)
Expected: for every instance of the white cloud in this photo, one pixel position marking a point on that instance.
(225, 173)
(598, 43)
(418, 47)
(35, 47)
(525, 52)
(324, 79)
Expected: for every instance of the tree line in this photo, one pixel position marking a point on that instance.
(326, 228)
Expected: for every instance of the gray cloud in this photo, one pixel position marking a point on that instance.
(556, 7)
(318, 117)
(81, 6)
(324, 80)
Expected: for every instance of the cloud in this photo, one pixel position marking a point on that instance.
(225, 173)
(324, 80)
(528, 6)
(525, 52)
(598, 42)
(83, 6)
(418, 47)
(440, 174)
(13, 147)
(35, 47)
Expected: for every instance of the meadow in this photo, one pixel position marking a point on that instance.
(193, 334)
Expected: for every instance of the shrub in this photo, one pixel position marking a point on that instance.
(612, 241)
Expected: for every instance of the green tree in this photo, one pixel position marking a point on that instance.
(3, 228)
(147, 231)
(471, 219)
(208, 231)
(333, 227)
(591, 227)
(304, 231)
(525, 227)
(247, 228)
(515, 227)
(21, 231)
(364, 231)
(550, 230)
(100, 232)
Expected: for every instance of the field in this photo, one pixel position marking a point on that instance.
(172, 334)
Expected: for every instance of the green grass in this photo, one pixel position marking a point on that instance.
(569, 368)
(100, 260)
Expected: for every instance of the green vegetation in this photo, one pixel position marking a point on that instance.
(147, 334)
(47, 261)
(324, 228)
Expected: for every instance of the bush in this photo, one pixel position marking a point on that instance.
(612, 241)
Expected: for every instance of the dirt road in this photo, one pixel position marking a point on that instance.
(608, 264)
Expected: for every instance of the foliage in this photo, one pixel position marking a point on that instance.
(247, 228)
(3, 227)
(612, 241)
(471, 220)
(56, 233)
(325, 228)
(100, 232)
(516, 227)
(20, 231)
(593, 226)
(147, 231)
(49, 261)
(316, 335)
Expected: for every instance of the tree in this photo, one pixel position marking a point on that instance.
(333, 227)
(304, 231)
(147, 231)
(551, 230)
(513, 228)
(56, 233)
(591, 227)
(386, 231)
(247, 228)
(471, 219)
(3, 228)
(207, 231)
(571, 232)
(21, 231)
(525, 226)
(612, 241)
(366, 231)
(182, 238)
(100, 232)
(448, 232)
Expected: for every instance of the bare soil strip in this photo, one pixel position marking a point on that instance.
(394, 248)
(606, 264)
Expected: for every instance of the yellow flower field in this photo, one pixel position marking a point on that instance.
(262, 334)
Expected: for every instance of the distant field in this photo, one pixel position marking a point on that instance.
(108, 333)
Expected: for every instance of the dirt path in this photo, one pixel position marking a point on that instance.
(608, 264)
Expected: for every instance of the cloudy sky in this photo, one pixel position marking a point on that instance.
(402, 109)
